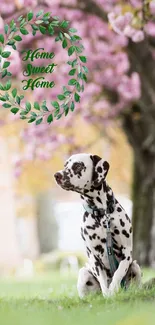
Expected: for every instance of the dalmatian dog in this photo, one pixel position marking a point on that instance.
(86, 174)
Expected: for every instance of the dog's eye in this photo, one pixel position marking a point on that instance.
(89, 283)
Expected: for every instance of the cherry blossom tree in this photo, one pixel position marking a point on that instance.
(119, 41)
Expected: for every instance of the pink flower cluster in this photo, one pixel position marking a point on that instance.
(122, 25)
(110, 88)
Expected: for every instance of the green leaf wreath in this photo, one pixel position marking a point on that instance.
(65, 101)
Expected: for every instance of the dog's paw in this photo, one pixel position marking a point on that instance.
(105, 292)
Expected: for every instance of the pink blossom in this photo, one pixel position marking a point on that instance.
(138, 36)
(27, 3)
(108, 65)
(120, 22)
(129, 87)
(7, 7)
(16, 160)
(129, 31)
(150, 29)
(17, 172)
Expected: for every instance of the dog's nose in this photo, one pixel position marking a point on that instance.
(58, 176)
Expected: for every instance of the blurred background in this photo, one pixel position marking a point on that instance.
(39, 222)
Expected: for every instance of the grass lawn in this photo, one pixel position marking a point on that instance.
(52, 299)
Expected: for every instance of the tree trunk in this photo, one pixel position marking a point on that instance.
(144, 210)
(139, 126)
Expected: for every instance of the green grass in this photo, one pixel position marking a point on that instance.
(52, 299)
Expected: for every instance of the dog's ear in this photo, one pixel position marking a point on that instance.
(100, 170)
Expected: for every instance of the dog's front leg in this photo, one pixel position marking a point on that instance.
(102, 278)
(100, 273)
(120, 272)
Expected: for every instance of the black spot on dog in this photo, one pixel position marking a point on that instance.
(67, 162)
(89, 283)
(109, 197)
(118, 254)
(115, 247)
(104, 187)
(98, 265)
(82, 234)
(123, 257)
(124, 232)
(98, 199)
(88, 251)
(128, 259)
(91, 227)
(116, 231)
(130, 230)
(103, 240)
(94, 236)
(95, 176)
(99, 249)
(127, 218)
(99, 188)
(107, 272)
(119, 209)
(90, 237)
(85, 216)
(91, 202)
(113, 239)
(97, 268)
(78, 167)
(85, 231)
(122, 223)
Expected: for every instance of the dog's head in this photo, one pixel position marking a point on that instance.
(82, 171)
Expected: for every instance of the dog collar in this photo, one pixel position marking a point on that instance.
(95, 211)
(101, 212)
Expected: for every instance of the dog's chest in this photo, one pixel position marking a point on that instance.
(94, 234)
(93, 230)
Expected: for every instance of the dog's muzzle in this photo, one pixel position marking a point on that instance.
(58, 177)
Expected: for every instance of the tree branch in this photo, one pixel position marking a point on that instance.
(141, 61)
(88, 6)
